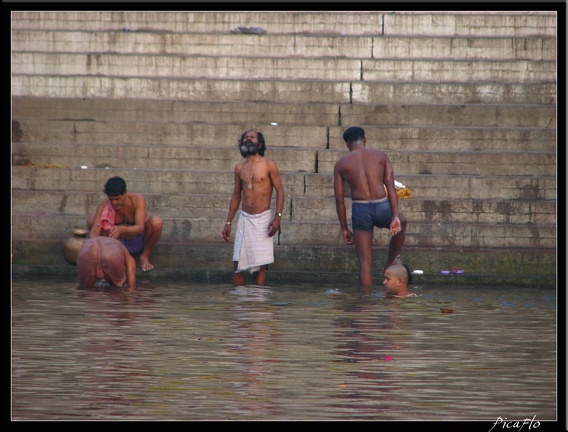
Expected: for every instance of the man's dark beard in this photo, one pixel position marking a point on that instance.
(248, 148)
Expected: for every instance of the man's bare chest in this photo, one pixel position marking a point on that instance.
(124, 217)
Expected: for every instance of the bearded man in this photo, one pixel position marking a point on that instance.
(256, 177)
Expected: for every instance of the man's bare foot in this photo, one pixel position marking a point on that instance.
(145, 265)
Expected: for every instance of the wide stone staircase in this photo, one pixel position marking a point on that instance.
(463, 103)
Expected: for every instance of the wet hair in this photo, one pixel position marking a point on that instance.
(262, 149)
(401, 271)
(115, 186)
(353, 134)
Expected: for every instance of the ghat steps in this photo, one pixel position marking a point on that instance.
(463, 103)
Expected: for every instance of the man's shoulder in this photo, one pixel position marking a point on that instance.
(374, 151)
(240, 165)
(137, 197)
(344, 158)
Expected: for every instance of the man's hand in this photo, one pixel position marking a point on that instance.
(273, 227)
(227, 232)
(115, 232)
(395, 227)
(348, 236)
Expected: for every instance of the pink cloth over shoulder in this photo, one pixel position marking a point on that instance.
(106, 221)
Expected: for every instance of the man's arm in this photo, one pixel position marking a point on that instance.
(96, 230)
(130, 264)
(393, 197)
(339, 190)
(277, 185)
(233, 205)
(391, 190)
(140, 216)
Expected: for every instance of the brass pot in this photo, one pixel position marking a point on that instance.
(72, 245)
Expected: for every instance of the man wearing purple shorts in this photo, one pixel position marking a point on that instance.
(123, 216)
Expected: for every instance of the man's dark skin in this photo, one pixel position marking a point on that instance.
(367, 172)
(263, 172)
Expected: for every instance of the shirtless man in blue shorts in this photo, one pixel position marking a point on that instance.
(368, 172)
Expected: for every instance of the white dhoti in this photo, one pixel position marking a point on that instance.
(253, 247)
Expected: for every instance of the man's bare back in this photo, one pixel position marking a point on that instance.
(105, 258)
(364, 170)
(370, 176)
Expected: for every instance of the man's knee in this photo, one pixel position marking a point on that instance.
(403, 220)
(154, 224)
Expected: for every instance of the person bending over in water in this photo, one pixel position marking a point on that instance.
(123, 216)
(105, 258)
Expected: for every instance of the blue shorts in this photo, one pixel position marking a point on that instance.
(367, 214)
(135, 245)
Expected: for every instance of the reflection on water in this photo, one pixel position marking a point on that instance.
(215, 352)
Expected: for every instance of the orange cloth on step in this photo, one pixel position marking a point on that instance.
(403, 193)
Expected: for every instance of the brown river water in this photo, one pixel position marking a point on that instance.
(199, 352)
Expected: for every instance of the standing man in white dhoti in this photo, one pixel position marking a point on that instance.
(255, 179)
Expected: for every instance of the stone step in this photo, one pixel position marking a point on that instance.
(49, 70)
(154, 122)
(466, 163)
(258, 115)
(513, 268)
(154, 157)
(372, 22)
(180, 230)
(165, 182)
(330, 258)
(175, 119)
(386, 138)
(434, 210)
(449, 138)
(474, 115)
(297, 208)
(318, 91)
(469, 163)
(274, 45)
(175, 259)
(208, 262)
